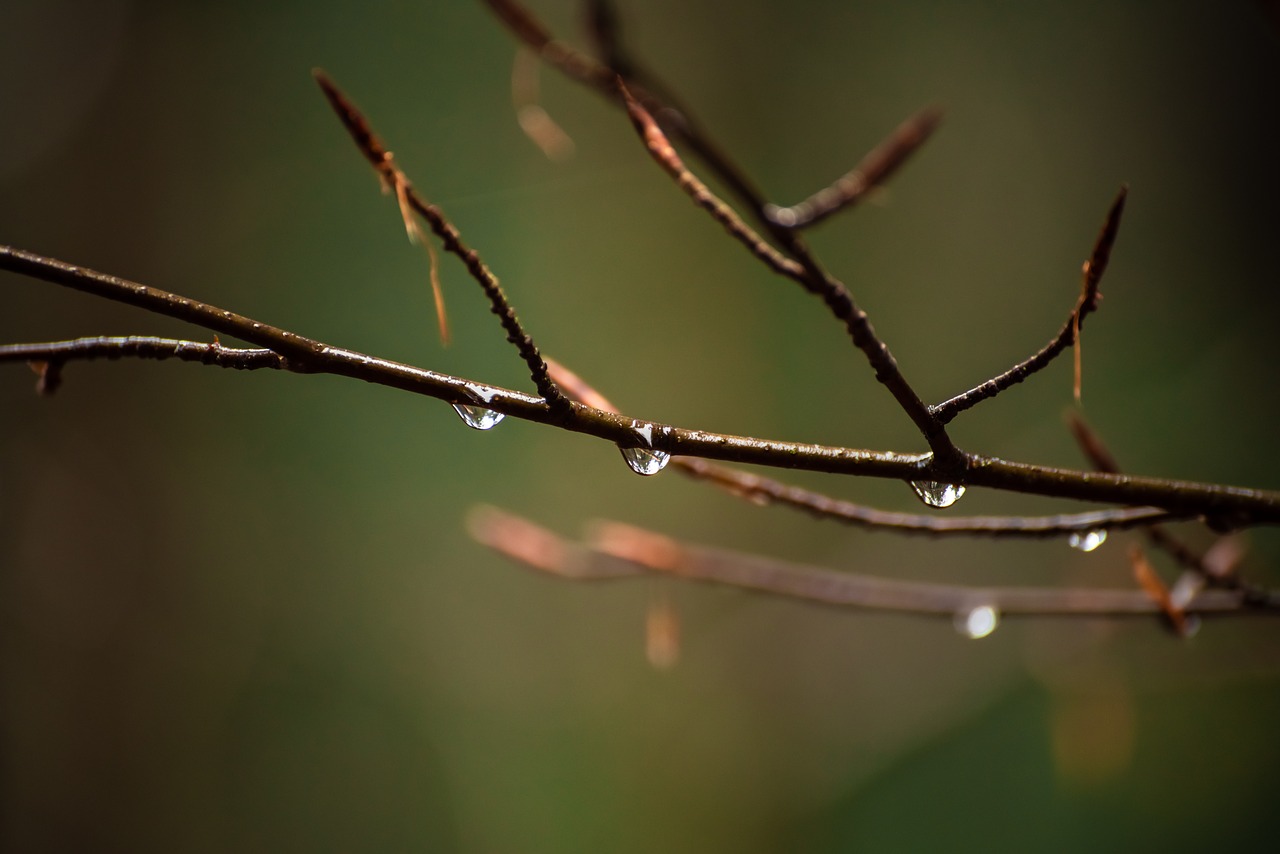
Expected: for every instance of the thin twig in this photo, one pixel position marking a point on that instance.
(378, 155)
(1068, 335)
(664, 154)
(143, 347)
(873, 171)
(621, 551)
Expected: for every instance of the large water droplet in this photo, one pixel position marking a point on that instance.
(1087, 541)
(477, 416)
(977, 622)
(937, 494)
(644, 460)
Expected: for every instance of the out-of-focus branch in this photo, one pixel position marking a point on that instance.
(616, 551)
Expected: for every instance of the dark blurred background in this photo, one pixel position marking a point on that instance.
(240, 611)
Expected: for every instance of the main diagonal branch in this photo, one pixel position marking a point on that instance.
(1233, 505)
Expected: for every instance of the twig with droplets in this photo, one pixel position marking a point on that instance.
(1066, 337)
(764, 490)
(616, 551)
(378, 155)
(1215, 567)
(873, 171)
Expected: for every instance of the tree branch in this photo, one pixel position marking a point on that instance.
(621, 551)
(872, 171)
(832, 291)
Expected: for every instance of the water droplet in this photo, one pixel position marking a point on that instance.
(1087, 541)
(937, 494)
(644, 460)
(977, 622)
(1190, 625)
(477, 416)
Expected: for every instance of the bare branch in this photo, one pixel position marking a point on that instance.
(1068, 335)
(656, 143)
(618, 551)
(1238, 505)
(873, 171)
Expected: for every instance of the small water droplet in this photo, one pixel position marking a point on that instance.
(977, 622)
(1087, 541)
(477, 416)
(1190, 625)
(937, 494)
(644, 460)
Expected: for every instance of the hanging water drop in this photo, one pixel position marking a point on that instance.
(644, 460)
(477, 416)
(977, 622)
(937, 494)
(1087, 541)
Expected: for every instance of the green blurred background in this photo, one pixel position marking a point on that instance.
(240, 611)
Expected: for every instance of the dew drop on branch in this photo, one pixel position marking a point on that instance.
(937, 494)
(477, 416)
(977, 622)
(1087, 541)
(644, 460)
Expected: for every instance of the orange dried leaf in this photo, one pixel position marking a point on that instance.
(662, 634)
(1150, 582)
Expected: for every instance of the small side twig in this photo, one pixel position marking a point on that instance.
(1066, 337)
(873, 171)
(378, 155)
(143, 347)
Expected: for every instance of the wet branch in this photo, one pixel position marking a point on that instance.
(766, 491)
(1240, 505)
